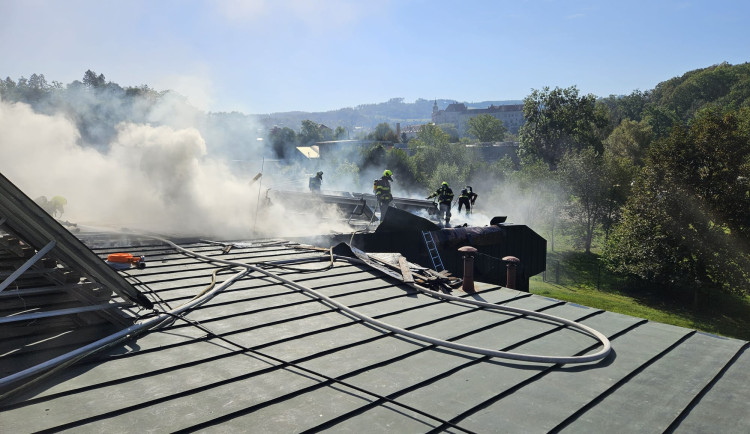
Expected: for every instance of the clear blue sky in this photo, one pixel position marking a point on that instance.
(262, 56)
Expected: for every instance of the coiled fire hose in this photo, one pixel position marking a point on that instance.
(45, 369)
(602, 353)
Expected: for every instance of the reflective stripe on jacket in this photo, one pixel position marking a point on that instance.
(383, 189)
(444, 195)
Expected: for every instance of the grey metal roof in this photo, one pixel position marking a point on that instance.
(307, 366)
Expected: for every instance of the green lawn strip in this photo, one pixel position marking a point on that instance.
(580, 275)
(612, 302)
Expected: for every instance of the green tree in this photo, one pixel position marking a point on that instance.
(326, 133)
(283, 141)
(345, 172)
(8, 89)
(486, 128)
(723, 84)
(309, 132)
(687, 224)
(403, 167)
(452, 132)
(628, 106)
(598, 186)
(383, 133)
(340, 133)
(432, 147)
(619, 173)
(373, 156)
(445, 172)
(583, 174)
(38, 86)
(90, 79)
(629, 140)
(559, 120)
(661, 120)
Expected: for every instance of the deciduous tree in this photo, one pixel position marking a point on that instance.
(432, 147)
(629, 140)
(687, 223)
(559, 120)
(583, 174)
(90, 79)
(384, 133)
(309, 132)
(486, 128)
(340, 133)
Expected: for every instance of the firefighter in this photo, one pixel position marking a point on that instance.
(467, 199)
(382, 189)
(52, 206)
(444, 196)
(472, 195)
(315, 182)
(464, 201)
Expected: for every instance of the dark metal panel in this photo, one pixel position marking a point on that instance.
(30, 223)
(567, 389)
(310, 409)
(197, 382)
(655, 397)
(475, 384)
(163, 403)
(725, 407)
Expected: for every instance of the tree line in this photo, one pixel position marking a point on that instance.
(657, 181)
(661, 176)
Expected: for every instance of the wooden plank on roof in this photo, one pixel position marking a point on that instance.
(405, 271)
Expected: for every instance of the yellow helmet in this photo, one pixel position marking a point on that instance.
(445, 183)
(387, 173)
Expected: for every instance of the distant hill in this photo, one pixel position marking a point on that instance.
(97, 106)
(368, 116)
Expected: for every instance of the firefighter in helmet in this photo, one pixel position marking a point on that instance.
(382, 189)
(444, 196)
(53, 206)
(467, 199)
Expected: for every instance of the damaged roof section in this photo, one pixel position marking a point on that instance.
(264, 354)
(56, 295)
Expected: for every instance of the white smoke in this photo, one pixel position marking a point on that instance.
(154, 178)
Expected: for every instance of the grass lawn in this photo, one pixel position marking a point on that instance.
(578, 275)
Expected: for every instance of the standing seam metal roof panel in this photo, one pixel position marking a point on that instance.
(179, 378)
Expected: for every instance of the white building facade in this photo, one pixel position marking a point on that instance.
(458, 115)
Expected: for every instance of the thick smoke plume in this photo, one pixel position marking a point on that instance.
(156, 163)
(151, 178)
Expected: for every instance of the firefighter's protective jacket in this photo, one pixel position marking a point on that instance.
(444, 194)
(382, 189)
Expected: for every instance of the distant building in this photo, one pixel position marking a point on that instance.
(410, 131)
(458, 115)
(325, 131)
